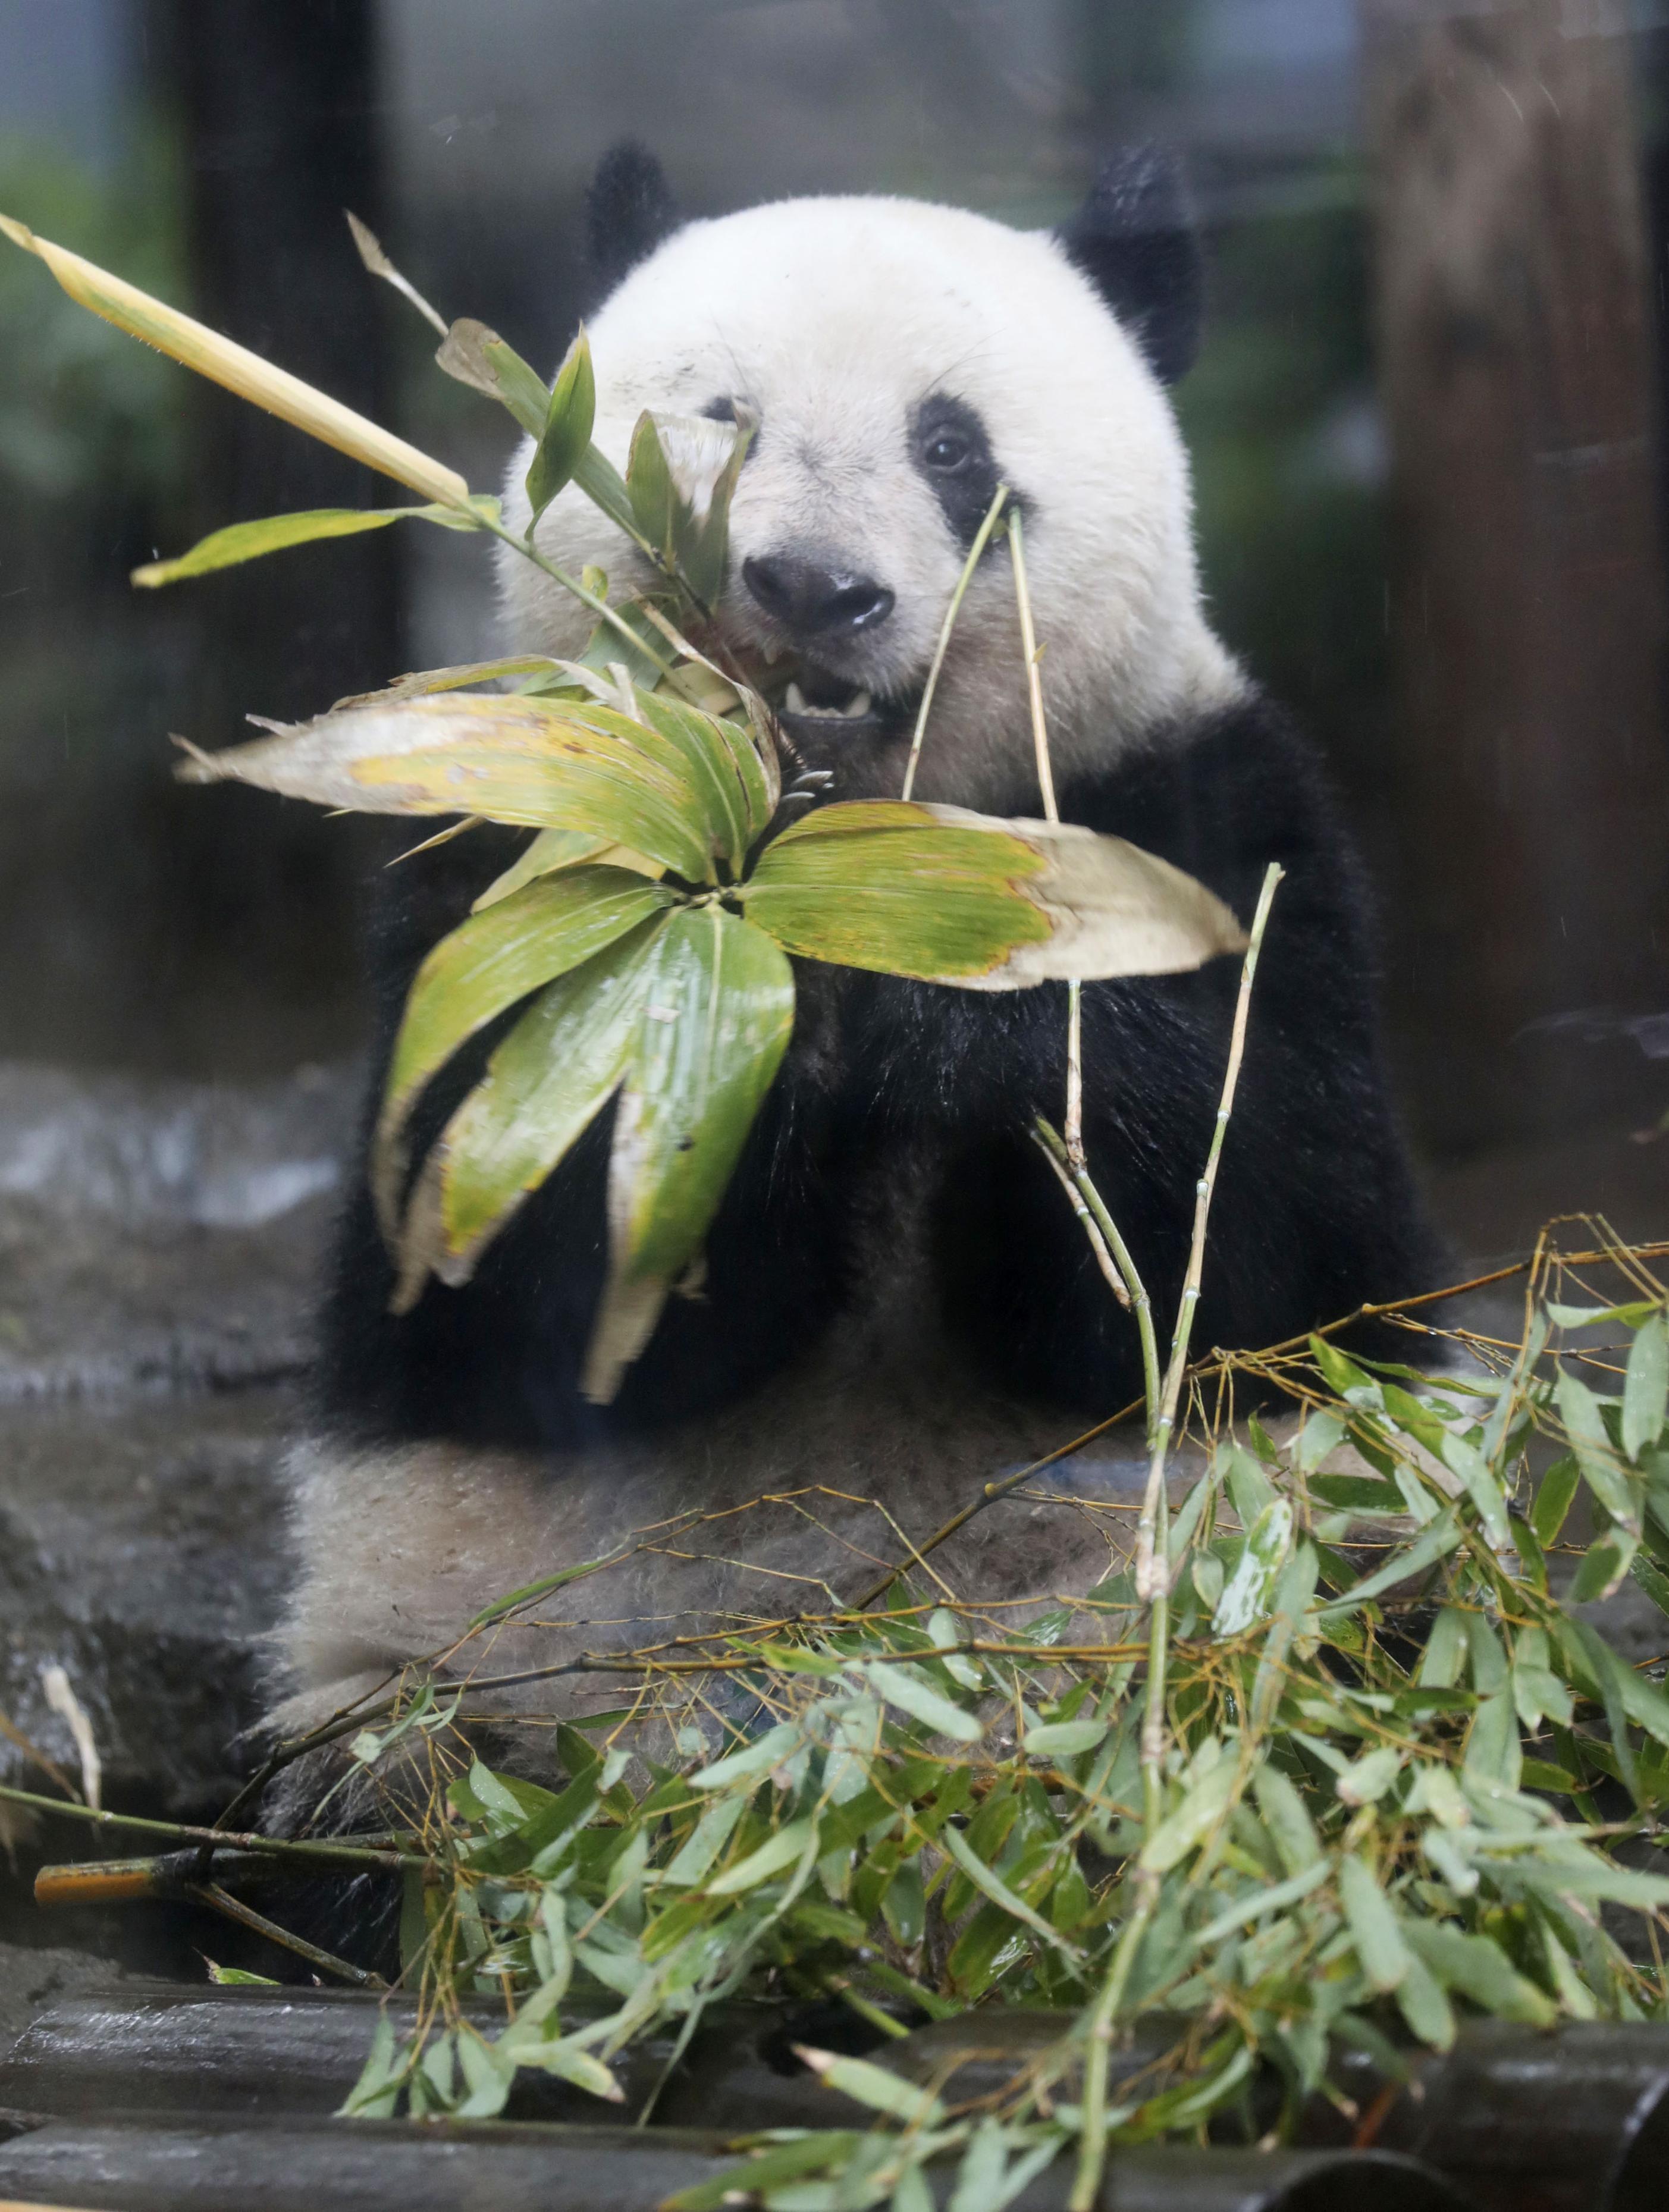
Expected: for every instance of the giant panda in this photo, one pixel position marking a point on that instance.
(896, 1304)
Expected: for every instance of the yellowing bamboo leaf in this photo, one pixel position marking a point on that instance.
(568, 428)
(195, 346)
(542, 764)
(479, 357)
(544, 1086)
(712, 1026)
(248, 541)
(953, 896)
(482, 970)
(369, 246)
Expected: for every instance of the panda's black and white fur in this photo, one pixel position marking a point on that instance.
(897, 1302)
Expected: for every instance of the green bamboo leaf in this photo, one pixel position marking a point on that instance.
(553, 850)
(956, 1846)
(1380, 1948)
(1441, 1536)
(1064, 1739)
(1595, 1452)
(1479, 1969)
(784, 1849)
(710, 1030)
(1287, 1819)
(1494, 1755)
(700, 1850)
(248, 541)
(568, 2062)
(568, 428)
(1247, 1594)
(1194, 1819)
(1424, 2006)
(1365, 1780)
(482, 970)
(1646, 1386)
(871, 2085)
(756, 1759)
(1553, 1497)
(1465, 1461)
(1604, 1566)
(903, 1688)
(540, 763)
(711, 766)
(1259, 1904)
(649, 485)
(952, 896)
(832, 2149)
(705, 469)
(544, 1086)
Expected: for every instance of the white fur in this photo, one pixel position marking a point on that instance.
(832, 318)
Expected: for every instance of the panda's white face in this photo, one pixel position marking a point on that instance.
(901, 360)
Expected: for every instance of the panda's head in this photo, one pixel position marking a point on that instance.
(900, 360)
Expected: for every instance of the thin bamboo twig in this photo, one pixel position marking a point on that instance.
(982, 539)
(1034, 674)
(1104, 1259)
(1137, 1297)
(1150, 1568)
(233, 1908)
(182, 1832)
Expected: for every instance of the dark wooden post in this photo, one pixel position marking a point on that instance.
(1515, 324)
(277, 105)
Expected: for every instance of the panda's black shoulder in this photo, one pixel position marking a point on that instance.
(1221, 794)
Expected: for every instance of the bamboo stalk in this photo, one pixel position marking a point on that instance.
(982, 539)
(182, 1832)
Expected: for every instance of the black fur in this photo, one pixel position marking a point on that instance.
(965, 489)
(1315, 1209)
(1136, 239)
(629, 211)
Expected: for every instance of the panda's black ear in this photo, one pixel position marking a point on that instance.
(629, 209)
(1136, 239)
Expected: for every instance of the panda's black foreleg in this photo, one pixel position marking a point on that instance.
(1315, 1211)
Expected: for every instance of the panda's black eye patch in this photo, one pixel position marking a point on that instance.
(950, 444)
(720, 410)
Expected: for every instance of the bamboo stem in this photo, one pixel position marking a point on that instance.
(278, 1846)
(1034, 674)
(1152, 1573)
(233, 1908)
(1135, 1290)
(982, 539)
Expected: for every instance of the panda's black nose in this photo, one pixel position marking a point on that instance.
(811, 601)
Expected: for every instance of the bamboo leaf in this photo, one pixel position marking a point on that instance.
(248, 541)
(1595, 1452)
(1553, 1497)
(1247, 1594)
(479, 357)
(544, 1085)
(756, 1759)
(568, 428)
(1194, 1819)
(784, 1849)
(553, 850)
(481, 970)
(538, 763)
(952, 896)
(874, 2085)
(1478, 1968)
(1646, 1386)
(1384, 1957)
(956, 1846)
(196, 347)
(903, 1688)
(712, 1028)
(1440, 1537)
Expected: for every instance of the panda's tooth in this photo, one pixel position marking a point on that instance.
(794, 700)
(858, 705)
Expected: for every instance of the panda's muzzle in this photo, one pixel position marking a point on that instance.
(809, 602)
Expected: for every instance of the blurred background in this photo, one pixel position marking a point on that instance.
(1432, 497)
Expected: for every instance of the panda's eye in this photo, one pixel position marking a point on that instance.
(947, 450)
(720, 410)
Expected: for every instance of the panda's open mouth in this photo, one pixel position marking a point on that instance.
(815, 706)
